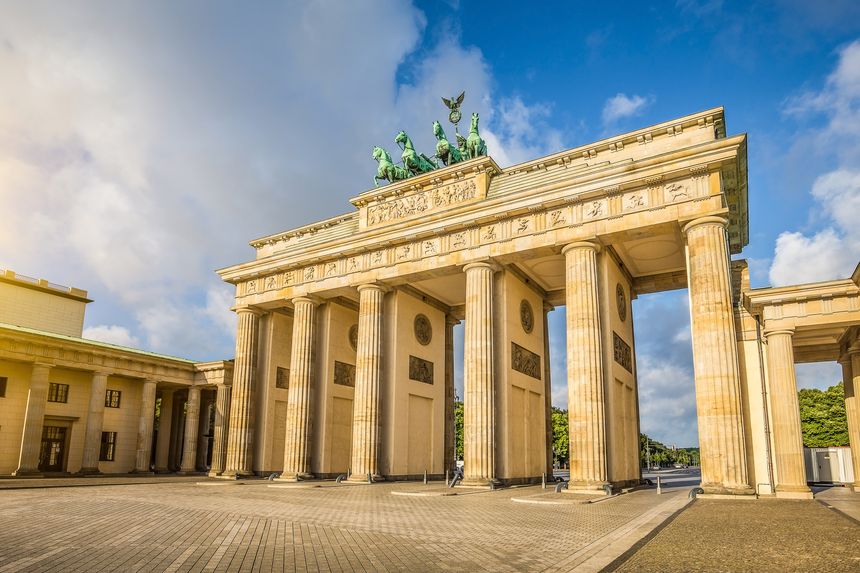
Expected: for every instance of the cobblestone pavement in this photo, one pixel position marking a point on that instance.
(252, 527)
(765, 535)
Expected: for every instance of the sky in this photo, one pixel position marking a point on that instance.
(142, 145)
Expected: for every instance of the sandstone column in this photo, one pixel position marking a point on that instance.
(95, 419)
(479, 444)
(785, 415)
(368, 376)
(299, 405)
(547, 388)
(852, 408)
(219, 439)
(144, 427)
(192, 424)
(585, 385)
(241, 434)
(164, 438)
(715, 359)
(31, 437)
(206, 401)
(450, 431)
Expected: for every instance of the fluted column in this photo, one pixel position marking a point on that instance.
(785, 414)
(585, 385)
(206, 413)
(144, 427)
(368, 376)
(95, 420)
(852, 408)
(241, 434)
(479, 444)
(715, 359)
(31, 437)
(547, 388)
(450, 430)
(192, 424)
(299, 405)
(219, 439)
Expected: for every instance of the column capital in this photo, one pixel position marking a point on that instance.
(486, 264)
(775, 331)
(547, 307)
(373, 286)
(451, 321)
(581, 245)
(42, 365)
(853, 349)
(721, 221)
(309, 298)
(245, 309)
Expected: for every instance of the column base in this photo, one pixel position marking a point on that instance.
(293, 478)
(793, 492)
(190, 473)
(479, 482)
(359, 478)
(89, 472)
(213, 474)
(142, 473)
(721, 490)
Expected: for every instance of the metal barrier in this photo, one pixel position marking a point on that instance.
(607, 488)
(340, 478)
(696, 491)
(273, 476)
(458, 477)
(560, 486)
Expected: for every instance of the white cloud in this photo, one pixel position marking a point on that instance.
(138, 153)
(833, 250)
(621, 106)
(821, 375)
(111, 334)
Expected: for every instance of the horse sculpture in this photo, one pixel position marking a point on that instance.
(387, 169)
(475, 146)
(447, 153)
(416, 163)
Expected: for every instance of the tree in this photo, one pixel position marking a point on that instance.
(822, 417)
(560, 436)
(458, 430)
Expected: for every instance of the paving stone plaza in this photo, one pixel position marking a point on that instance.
(183, 524)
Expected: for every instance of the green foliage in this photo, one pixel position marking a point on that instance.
(660, 455)
(560, 436)
(458, 429)
(822, 417)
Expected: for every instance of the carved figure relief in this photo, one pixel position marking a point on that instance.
(430, 248)
(330, 269)
(623, 355)
(489, 233)
(423, 330)
(353, 264)
(270, 283)
(377, 257)
(420, 370)
(525, 361)
(527, 317)
(288, 278)
(344, 374)
(420, 202)
(635, 200)
(403, 252)
(309, 274)
(557, 218)
(675, 191)
(523, 225)
(458, 239)
(282, 378)
(251, 287)
(621, 302)
(353, 336)
(594, 209)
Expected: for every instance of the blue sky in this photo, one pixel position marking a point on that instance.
(143, 145)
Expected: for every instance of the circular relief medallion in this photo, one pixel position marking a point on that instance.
(353, 336)
(621, 300)
(527, 317)
(423, 330)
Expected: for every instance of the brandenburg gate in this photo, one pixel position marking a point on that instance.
(345, 353)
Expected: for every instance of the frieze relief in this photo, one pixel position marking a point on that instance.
(420, 370)
(344, 374)
(525, 361)
(623, 354)
(422, 202)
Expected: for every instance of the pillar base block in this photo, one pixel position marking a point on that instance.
(359, 478)
(293, 478)
(89, 472)
(793, 494)
(213, 474)
(142, 473)
(27, 473)
(233, 474)
(588, 488)
(190, 473)
(724, 491)
(479, 482)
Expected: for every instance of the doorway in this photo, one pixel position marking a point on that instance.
(52, 454)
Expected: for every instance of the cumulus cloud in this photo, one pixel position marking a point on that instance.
(138, 152)
(111, 334)
(833, 250)
(621, 106)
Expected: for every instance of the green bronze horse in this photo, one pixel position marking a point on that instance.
(387, 169)
(475, 146)
(416, 163)
(447, 153)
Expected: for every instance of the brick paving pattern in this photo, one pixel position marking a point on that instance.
(767, 535)
(183, 527)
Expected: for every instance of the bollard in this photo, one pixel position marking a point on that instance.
(369, 478)
(425, 476)
(659, 486)
(543, 481)
(446, 478)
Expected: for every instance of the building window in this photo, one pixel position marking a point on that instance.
(3, 386)
(112, 398)
(108, 449)
(58, 393)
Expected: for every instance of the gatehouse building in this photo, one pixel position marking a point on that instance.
(345, 356)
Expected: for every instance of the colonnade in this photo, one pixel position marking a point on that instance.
(718, 390)
(34, 421)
